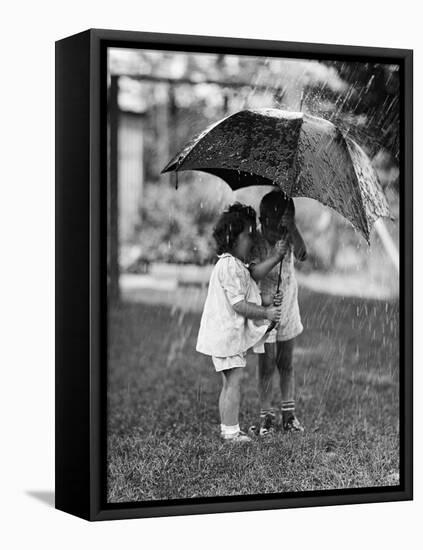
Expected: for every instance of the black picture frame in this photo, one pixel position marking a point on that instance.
(81, 305)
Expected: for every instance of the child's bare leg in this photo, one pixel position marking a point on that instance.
(266, 369)
(230, 396)
(286, 369)
(287, 383)
(222, 398)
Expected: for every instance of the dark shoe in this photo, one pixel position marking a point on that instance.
(265, 427)
(292, 424)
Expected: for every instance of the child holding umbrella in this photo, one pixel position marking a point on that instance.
(277, 218)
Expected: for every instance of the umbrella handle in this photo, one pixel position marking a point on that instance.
(176, 171)
(272, 324)
(279, 276)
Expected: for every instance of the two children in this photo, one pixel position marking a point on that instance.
(234, 317)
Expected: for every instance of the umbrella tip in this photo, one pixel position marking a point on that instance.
(165, 169)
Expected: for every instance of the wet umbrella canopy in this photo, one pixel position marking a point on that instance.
(305, 156)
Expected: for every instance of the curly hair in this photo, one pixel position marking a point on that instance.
(231, 223)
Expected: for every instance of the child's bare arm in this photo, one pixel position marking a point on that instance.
(261, 269)
(288, 222)
(253, 311)
(300, 250)
(266, 299)
(271, 299)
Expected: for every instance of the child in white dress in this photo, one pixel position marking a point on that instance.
(233, 318)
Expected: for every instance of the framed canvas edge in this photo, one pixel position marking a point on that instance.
(98, 510)
(72, 297)
(244, 505)
(253, 45)
(406, 273)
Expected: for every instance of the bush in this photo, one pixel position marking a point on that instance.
(177, 224)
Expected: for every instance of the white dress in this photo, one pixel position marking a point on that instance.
(223, 332)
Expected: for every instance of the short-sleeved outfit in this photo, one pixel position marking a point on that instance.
(223, 333)
(290, 323)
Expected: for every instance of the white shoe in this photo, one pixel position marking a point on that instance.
(240, 437)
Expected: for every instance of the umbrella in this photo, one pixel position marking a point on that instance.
(304, 155)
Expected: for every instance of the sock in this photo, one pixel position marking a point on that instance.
(267, 419)
(288, 408)
(229, 431)
(265, 412)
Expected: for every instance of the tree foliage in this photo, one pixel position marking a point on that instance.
(369, 108)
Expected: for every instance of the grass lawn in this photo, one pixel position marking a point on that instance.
(163, 424)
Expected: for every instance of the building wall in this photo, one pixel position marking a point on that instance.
(131, 176)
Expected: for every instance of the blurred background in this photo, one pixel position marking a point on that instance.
(160, 245)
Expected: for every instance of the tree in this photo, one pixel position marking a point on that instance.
(371, 102)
